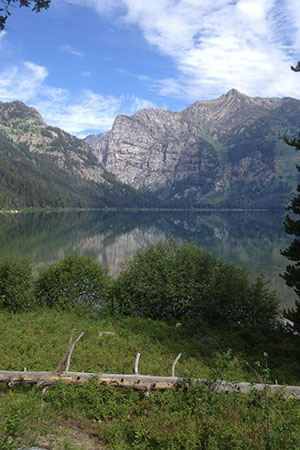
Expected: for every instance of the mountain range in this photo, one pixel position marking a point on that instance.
(227, 152)
(44, 166)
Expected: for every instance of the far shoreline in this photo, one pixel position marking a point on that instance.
(142, 209)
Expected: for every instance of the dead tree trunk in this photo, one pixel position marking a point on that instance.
(136, 381)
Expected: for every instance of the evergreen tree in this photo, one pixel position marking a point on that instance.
(292, 226)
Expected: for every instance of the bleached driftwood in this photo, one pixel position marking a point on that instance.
(67, 355)
(71, 351)
(174, 364)
(139, 382)
(136, 364)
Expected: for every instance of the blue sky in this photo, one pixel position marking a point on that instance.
(82, 62)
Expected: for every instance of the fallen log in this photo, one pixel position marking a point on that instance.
(138, 382)
(146, 383)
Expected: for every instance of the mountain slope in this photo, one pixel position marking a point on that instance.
(45, 166)
(228, 151)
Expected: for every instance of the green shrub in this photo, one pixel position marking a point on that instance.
(75, 280)
(194, 418)
(184, 282)
(159, 281)
(16, 284)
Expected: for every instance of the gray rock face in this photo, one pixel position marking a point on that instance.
(202, 152)
(146, 150)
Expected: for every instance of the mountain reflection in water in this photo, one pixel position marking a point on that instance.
(252, 238)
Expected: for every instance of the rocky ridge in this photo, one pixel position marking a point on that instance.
(24, 125)
(228, 150)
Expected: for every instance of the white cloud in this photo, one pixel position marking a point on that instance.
(101, 6)
(219, 44)
(215, 45)
(86, 74)
(293, 13)
(81, 115)
(66, 48)
(88, 112)
(135, 103)
(2, 38)
(21, 82)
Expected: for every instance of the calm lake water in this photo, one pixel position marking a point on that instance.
(244, 238)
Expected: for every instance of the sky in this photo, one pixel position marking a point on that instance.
(82, 62)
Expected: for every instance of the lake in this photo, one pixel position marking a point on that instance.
(254, 238)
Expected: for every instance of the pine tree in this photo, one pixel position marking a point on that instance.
(292, 226)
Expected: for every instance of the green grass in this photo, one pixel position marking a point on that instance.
(37, 341)
(73, 417)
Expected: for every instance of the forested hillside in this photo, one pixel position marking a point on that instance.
(44, 166)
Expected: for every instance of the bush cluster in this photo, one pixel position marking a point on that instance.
(164, 281)
(184, 282)
(16, 284)
(75, 280)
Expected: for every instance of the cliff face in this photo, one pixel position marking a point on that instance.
(146, 150)
(228, 150)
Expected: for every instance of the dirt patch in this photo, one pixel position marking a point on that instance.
(73, 436)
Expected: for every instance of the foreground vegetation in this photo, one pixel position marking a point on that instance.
(162, 282)
(39, 313)
(180, 418)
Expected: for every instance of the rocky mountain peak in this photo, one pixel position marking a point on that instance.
(18, 111)
(234, 93)
(25, 127)
(234, 98)
(208, 152)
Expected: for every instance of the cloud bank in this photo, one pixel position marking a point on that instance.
(217, 45)
(81, 114)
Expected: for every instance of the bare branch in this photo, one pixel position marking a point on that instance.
(136, 365)
(174, 364)
(71, 351)
(63, 360)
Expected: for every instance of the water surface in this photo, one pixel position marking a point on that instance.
(252, 238)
